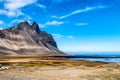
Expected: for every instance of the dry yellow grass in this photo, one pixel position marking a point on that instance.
(34, 67)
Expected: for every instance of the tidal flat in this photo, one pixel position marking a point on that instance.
(47, 67)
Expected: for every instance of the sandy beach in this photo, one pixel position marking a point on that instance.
(47, 68)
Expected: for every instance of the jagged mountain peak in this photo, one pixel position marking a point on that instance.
(24, 25)
(26, 38)
(35, 26)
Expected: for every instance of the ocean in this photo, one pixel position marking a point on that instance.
(97, 56)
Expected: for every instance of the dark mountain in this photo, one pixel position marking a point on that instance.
(26, 39)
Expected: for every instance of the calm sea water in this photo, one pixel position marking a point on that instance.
(114, 56)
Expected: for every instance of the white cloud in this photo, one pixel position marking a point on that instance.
(3, 11)
(82, 24)
(60, 36)
(81, 11)
(41, 25)
(57, 36)
(13, 7)
(14, 13)
(17, 21)
(54, 23)
(49, 23)
(27, 18)
(41, 6)
(1, 22)
(11, 13)
(17, 4)
(70, 37)
(53, 16)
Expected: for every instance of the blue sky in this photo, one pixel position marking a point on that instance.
(77, 25)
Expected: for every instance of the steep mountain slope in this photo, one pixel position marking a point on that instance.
(26, 39)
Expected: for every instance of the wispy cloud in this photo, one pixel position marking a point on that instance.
(81, 11)
(53, 16)
(12, 8)
(81, 24)
(26, 18)
(1, 22)
(51, 23)
(41, 25)
(16, 21)
(11, 13)
(70, 37)
(17, 4)
(41, 6)
(54, 23)
(57, 36)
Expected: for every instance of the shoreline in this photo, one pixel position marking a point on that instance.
(51, 68)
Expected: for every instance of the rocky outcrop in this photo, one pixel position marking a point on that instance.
(26, 39)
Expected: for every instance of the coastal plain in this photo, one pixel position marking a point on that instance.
(50, 67)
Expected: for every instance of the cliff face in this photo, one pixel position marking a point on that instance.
(26, 39)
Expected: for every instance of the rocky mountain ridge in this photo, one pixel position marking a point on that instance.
(26, 39)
